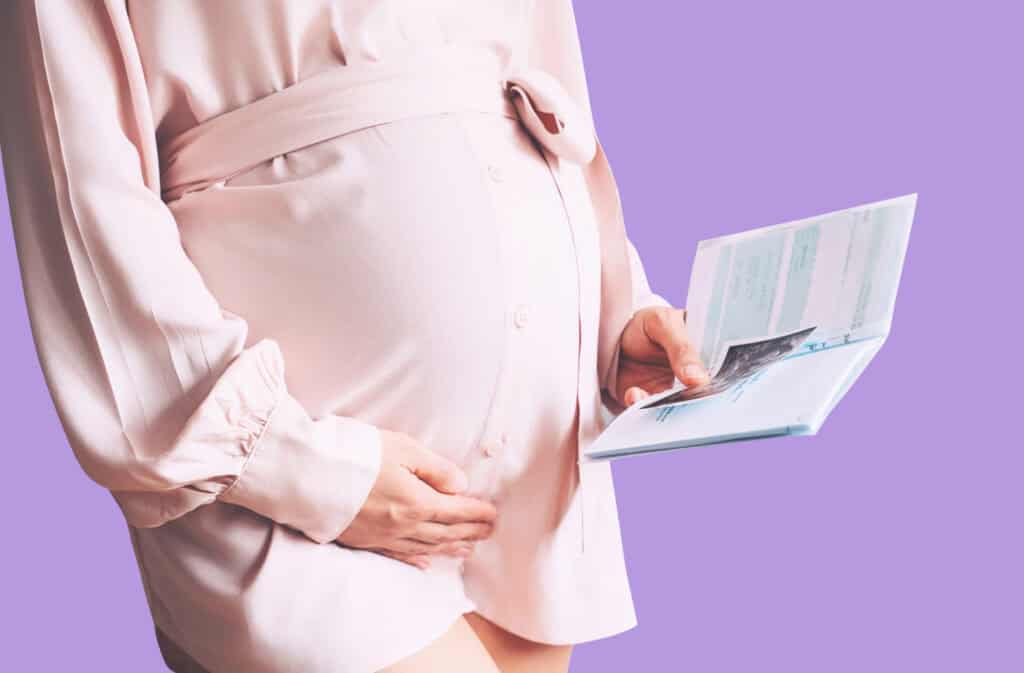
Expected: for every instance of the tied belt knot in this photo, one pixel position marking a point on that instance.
(551, 116)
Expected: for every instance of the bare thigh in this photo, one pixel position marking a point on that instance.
(518, 655)
(459, 650)
(474, 644)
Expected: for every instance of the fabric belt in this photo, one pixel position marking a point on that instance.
(427, 82)
(349, 98)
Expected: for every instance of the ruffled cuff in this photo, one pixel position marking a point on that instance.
(311, 474)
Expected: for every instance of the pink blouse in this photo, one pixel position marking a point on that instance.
(199, 196)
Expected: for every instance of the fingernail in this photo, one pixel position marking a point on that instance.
(694, 372)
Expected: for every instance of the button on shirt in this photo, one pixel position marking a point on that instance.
(521, 316)
(227, 380)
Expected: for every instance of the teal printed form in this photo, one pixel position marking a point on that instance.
(717, 301)
(752, 287)
(786, 317)
(799, 276)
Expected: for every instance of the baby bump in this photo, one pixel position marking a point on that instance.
(378, 261)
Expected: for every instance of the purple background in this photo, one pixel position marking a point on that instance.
(889, 542)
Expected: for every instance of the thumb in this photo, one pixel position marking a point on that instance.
(439, 472)
(634, 394)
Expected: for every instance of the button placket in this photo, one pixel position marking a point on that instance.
(489, 445)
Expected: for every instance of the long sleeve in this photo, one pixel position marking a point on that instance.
(161, 401)
(553, 44)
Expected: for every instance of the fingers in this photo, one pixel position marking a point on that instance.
(667, 328)
(454, 509)
(436, 538)
(436, 470)
(421, 561)
(437, 533)
(418, 552)
(429, 538)
(407, 545)
(634, 394)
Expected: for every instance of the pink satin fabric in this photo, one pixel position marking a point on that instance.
(192, 213)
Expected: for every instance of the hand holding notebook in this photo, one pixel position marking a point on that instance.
(786, 317)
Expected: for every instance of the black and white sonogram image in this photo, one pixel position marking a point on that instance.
(741, 361)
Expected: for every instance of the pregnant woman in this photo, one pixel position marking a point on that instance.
(329, 295)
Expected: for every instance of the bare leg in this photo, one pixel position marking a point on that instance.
(518, 655)
(459, 650)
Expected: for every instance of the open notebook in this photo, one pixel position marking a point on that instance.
(786, 318)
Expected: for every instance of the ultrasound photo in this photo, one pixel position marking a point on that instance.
(741, 361)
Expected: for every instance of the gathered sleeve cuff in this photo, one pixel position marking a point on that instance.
(313, 475)
(161, 399)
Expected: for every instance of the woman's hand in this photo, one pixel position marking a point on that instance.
(415, 509)
(655, 350)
